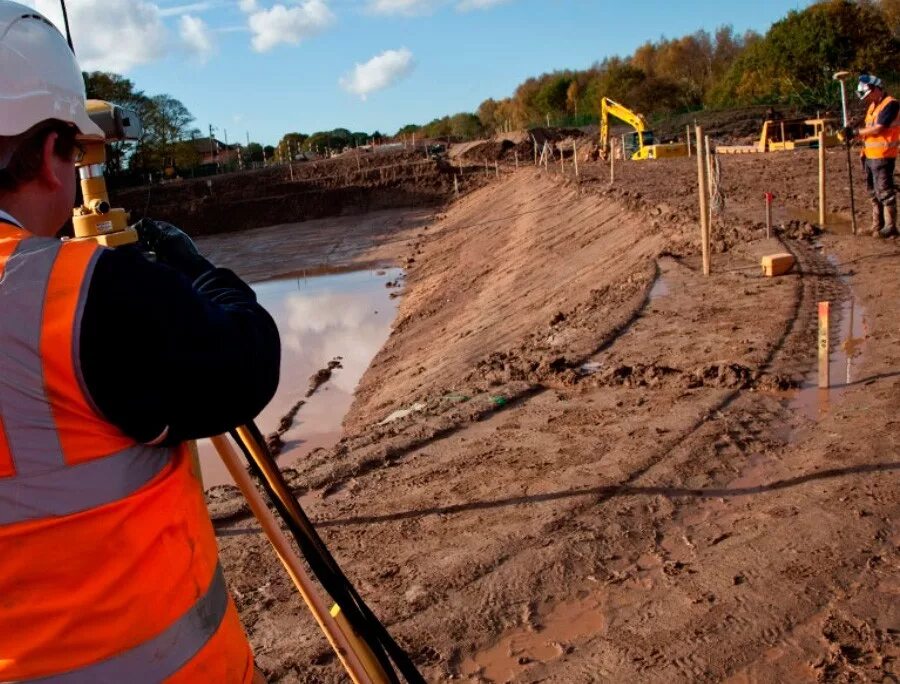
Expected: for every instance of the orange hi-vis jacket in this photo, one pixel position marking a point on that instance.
(887, 144)
(109, 569)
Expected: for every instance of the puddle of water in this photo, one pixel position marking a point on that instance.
(565, 623)
(814, 402)
(589, 367)
(660, 288)
(838, 224)
(319, 318)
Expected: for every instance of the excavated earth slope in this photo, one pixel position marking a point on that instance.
(612, 475)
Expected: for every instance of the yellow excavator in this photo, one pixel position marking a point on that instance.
(640, 144)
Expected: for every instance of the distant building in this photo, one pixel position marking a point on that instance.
(213, 151)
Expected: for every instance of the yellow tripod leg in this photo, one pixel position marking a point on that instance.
(333, 632)
(366, 657)
(361, 649)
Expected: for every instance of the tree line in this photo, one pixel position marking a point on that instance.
(791, 64)
(169, 140)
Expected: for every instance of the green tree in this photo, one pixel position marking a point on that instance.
(254, 152)
(794, 61)
(101, 85)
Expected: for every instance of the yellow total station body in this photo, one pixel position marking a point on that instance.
(96, 219)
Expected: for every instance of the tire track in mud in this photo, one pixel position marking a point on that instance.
(793, 329)
(764, 628)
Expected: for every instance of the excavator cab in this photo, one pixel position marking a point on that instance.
(636, 141)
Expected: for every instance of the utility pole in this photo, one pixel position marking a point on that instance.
(212, 146)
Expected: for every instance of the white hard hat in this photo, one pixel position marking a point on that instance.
(866, 83)
(39, 76)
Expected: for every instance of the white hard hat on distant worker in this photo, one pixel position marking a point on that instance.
(39, 76)
(866, 83)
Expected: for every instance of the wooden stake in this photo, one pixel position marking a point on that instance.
(703, 189)
(497, 169)
(517, 158)
(290, 561)
(688, 127)
(456, 185)
(709, 180)
(821, 179)
(612, 162)
(769, 197)
(575, 158)
(824, 311)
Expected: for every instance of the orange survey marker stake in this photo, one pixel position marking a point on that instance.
(769, 197)
(824, 310)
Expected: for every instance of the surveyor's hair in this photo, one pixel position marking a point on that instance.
(21, 156)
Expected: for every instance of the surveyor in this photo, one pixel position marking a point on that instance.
(108, 363)
(881, 142)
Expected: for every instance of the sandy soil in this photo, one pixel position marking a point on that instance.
(618, 474)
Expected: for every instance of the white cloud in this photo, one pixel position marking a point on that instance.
(196, 37)
(407, 7)
(248, 6)
(280, 24)
(413, 7)
(178, 10)
(379, 72)
(467, 5)
(111, 35)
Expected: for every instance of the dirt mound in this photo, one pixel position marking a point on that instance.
(505, 146)
(358, 183)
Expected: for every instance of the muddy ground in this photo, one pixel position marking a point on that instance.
(619, 471)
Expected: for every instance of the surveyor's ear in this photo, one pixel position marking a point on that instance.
(53, 168)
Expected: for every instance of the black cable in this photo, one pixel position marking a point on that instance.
(330, 580)
(361, 618)
(66, 22)
(397, 654)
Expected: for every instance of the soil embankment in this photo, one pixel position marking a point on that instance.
(610, 474)
(351, 184)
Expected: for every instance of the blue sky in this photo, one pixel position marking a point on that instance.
(273, 66)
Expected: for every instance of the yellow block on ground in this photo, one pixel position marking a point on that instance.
(777, 264)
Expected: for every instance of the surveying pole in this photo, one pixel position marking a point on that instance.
(841, 76)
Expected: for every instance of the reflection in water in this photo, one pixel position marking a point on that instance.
(814, 402)
(347, 315)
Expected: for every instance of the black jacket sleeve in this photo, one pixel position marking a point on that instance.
(887, 115)
(159, 353)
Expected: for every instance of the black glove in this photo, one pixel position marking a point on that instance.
(172, 247)
(849, 133)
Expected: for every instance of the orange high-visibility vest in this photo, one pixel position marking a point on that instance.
(109, 569)
(886, 144)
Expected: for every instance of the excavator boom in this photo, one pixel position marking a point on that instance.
(611, 108)
(641, 143)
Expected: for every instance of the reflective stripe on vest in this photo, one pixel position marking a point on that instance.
(163, 655)
(110, 567)
(885, 145)
(37, 481)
